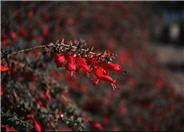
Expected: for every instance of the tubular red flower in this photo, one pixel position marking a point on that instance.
(70, 65)
(99, 72)
(81, 63)
(59, 59)
(107, 79)
(109, 66)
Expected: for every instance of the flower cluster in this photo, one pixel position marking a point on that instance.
(96, 63)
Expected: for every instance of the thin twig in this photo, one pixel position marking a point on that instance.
(29, 49)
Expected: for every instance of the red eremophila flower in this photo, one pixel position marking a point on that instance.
(99, 72)
(109, 66)
(76, 59)
(59, 59)
(70, 65)
(81, 64)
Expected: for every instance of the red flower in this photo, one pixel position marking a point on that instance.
(71, 66)
(109, 66)
(4, 42)
(3, 66)
(9, 129)
(81, 64)
(13, 35)
(96, 125)
(59, 59)
(37, 126)
(30, 13)
(99, 72)
(31, 116)
(89, 63)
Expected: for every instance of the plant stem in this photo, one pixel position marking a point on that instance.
(29, 49)
(47, 46)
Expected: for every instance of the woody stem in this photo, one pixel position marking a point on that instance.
(47, 46)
